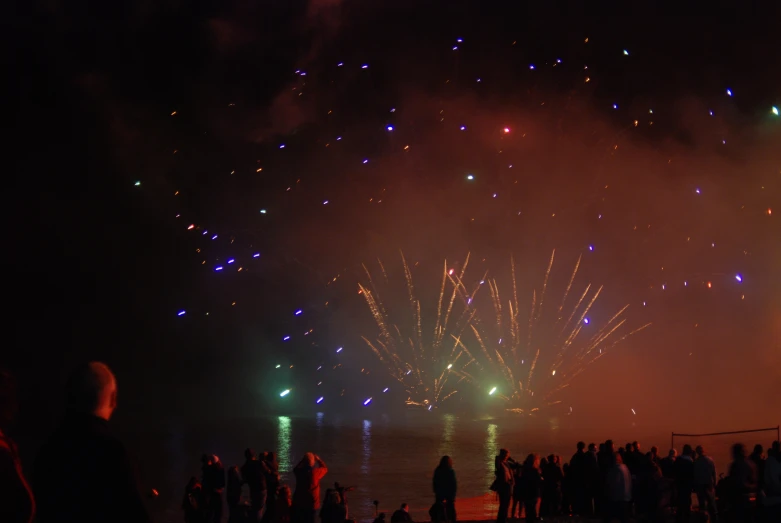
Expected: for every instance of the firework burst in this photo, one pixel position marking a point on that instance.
(535, 359)
(427, 358)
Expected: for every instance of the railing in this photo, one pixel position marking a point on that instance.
(776, 428)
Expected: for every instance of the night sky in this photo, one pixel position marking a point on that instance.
(325, 134)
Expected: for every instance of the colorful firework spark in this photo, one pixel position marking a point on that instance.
(429, 367)
(535, 364)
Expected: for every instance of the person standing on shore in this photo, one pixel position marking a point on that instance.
(253, 473)
(282, 506)
(773, 483)
(271, 470)
(213, 485)
(604, 462)
(17, 504)
(578, 467)
(758, 457)
(668, 464)
(684, 484)
(531, 486)
(192, 502)
(705, 483)
(83, 473)
(619, 492)
(401, 515)
(233, 496)
(742, 484)
(306, 498)
(445, 487)
(333, 510)
(503, 484)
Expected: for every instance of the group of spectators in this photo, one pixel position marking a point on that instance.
(605, 481)
(269, 500)
(618, 484)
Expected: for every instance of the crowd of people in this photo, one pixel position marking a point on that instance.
(623, 483)
(83, 474)
(269, 500)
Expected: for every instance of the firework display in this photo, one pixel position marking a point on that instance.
(533, 356)
(428, 363)
(538, 354)
(483, 143)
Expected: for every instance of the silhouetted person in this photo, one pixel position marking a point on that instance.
(566, 491)
(401, 515)
(517, 506)
(742, 484)
(233, 496)
(342, 490)
(772, 478)
(551, 486)
(758, 458)
(17, 504)
(445, 487)
(640, 470)
(628, 455)
(83, 474)
(705, 483)
(579, 469)
(254, 473)
(657, 491)
(684, 483)
(531, 486)
(271, 471)
(503, 484)
(655, 455)
(306, 499)
(192, 502)
(668, 464)
(213, 483)
(618, 491)
(282, 506)
(605, 460)
(333, 510)
(593, 487)
(638, 456)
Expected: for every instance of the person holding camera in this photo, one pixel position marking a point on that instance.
(306, 498)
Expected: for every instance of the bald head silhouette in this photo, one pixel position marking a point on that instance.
(92, 389)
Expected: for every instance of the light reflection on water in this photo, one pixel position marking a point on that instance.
(448, 429)
(319, 417)
(367, 446)
(284, 442)
(490, 448)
